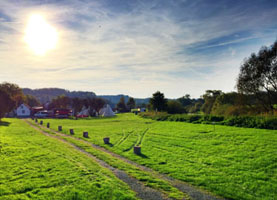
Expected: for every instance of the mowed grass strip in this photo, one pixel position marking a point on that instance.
(236, 163)
(145, 177)
(34, 166)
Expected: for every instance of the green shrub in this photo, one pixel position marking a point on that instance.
(239, 121)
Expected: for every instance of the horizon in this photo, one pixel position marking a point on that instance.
(133, 48)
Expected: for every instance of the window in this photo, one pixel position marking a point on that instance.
(23, 111)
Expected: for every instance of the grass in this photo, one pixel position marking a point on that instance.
(145, 177)
(30, 169)
(261, 122)
(236, 163)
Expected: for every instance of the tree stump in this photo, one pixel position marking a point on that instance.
(48, 125)
(137, 150)
(106, 140)
(41, 122)
(60, 128)
(71, 131)
(85, 134)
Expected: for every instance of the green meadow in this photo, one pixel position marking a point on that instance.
(235, 163)
(34, 166)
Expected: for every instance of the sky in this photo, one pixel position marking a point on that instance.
(136, 47)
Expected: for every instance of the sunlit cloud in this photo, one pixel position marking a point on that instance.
(136, 49)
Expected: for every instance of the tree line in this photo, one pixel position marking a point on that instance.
(256, 91)
(256, 94)
(11, 96)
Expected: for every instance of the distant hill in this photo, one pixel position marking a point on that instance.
(114, 99)
(47, 94)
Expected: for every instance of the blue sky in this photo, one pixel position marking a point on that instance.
(136, 47)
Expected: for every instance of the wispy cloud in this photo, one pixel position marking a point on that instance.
(135, 48)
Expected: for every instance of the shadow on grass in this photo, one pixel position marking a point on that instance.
(142, 155)
(4, 123)
(205, 131)
(110, 144)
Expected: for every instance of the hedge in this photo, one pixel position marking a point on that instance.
(239, 121)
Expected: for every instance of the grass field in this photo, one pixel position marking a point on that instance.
(236, 163)
(30, 169)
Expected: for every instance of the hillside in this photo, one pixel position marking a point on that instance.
(114, 99)
(47, 94)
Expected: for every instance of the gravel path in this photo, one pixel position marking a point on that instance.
(141, 190)
(193, 192)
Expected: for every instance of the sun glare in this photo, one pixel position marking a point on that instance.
(39, 35)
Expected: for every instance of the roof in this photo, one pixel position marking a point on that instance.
(24, 105)
(37, 107)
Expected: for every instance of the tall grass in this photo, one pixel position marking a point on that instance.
(263, 122)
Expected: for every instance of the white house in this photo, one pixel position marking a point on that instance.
(23, 111)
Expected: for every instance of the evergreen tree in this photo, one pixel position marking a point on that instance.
(158, 102)
(121, 106)
(131, 103)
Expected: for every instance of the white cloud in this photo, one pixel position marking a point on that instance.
(109, 52)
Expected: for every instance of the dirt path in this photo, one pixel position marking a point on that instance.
(141, 190)
(193, 192)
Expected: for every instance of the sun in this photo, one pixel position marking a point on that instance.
(39, 35)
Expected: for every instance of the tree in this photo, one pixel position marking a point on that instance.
(185, 100)
(77, 105)
(60, 102)
(121, 106)
(258, 76)
(196, 106)
(31, 100)
(95, 103)
(14, 91)
(131, 103)
(158, 102)
(6, 103)
(175, 107)
(209, 98)
(98, 104)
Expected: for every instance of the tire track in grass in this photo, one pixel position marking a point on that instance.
(124, 138)
(192, 191)
(132, 145)
(119, 141)
(142, 136)
(138, 141)
(141, 190)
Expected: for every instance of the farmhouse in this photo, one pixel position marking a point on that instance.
(23, 111)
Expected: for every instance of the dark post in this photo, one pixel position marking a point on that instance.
(137, 150)
(41, 122)
(36, 120)
(85, 134)
(48, 125)
(71, 131)
(60, 128)
(106, 140)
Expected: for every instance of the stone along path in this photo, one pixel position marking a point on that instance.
(141, 190)
(193, 192)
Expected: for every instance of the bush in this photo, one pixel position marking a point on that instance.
(269, 122)
(175, 107)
